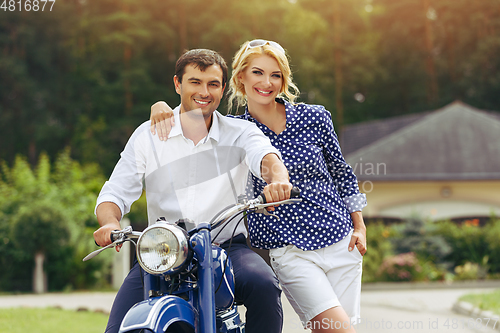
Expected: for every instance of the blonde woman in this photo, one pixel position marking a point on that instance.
(316, 247)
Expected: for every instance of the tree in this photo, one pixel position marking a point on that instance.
(38, 229)
(48, 213)
(86, 74)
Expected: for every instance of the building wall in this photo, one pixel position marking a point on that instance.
(434, 200)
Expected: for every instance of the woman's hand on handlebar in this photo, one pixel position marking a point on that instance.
(162, 120)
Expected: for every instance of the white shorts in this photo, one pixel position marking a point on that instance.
(315, 281)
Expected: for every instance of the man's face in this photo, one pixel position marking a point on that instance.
(200, 90)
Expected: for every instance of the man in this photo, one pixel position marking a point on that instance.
(199, 170)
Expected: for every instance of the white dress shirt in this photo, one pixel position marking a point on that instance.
(184, 180)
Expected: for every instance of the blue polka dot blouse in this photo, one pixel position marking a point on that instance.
(329, 189)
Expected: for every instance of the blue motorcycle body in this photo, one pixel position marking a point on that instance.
(200, 301)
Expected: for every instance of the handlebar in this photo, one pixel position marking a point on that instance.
(294, 193)
(117, 237)
(257, 205)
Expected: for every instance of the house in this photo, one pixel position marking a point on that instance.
(442, 164)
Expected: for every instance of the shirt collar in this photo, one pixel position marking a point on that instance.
(291, 113)
(214, 132)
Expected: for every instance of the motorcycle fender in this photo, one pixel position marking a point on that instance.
(158, 313)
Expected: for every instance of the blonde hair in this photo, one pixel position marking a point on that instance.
(241, 61)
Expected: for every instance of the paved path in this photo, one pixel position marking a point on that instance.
(419, 311)
(383, 310)
(409, 309)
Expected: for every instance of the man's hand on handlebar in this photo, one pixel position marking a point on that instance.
(108, 216)
(278, 191)
(102, 236)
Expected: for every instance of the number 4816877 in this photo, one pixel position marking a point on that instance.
(27, 5)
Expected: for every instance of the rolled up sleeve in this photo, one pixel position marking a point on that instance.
(257, 146)
(125, 185)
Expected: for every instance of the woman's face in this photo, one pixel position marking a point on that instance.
(262, 80)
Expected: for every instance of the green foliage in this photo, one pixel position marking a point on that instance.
(399, 253)
(418, 237)
(87, 73)
(491, 237)
(487, 301)
(444, 250)
(470, 271)
(409, 267)
(39, 227)
(401, 267)
(468, 242)
(379, 248)
(49, 209)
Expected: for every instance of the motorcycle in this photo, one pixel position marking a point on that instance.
(188, 281)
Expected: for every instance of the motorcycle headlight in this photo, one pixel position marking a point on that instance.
(162, 248)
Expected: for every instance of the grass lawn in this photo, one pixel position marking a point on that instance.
(51, 320)
(489, 301)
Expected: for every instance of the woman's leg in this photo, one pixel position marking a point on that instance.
(323, 286)
(343, 270)
(332, 320)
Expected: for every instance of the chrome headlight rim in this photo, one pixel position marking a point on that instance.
(181, 237)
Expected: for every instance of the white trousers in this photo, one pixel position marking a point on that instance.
(315, 281)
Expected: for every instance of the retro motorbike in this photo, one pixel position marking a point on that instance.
(188, 281)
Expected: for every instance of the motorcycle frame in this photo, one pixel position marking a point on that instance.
(158, 313)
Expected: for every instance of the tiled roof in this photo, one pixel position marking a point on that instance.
(456, 142)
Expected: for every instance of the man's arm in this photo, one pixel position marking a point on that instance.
(109, 216)
(274, 172)
(124, 186)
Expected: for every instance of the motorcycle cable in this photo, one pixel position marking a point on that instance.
(220, 212)
(245, 214)
(229, 247)
(225, 225)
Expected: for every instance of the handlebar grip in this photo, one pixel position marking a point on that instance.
(294, 193)
(113, 236)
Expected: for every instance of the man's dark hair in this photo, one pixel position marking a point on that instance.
(202, 59)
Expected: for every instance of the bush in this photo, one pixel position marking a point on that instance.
(492, 239)
(470, 271)
(472, 244)
(379, 247)
(419, 237)
(401, 267)
(442, 250)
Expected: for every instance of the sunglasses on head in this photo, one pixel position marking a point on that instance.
(262, 42)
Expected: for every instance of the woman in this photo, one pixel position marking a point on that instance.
(316, 247)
